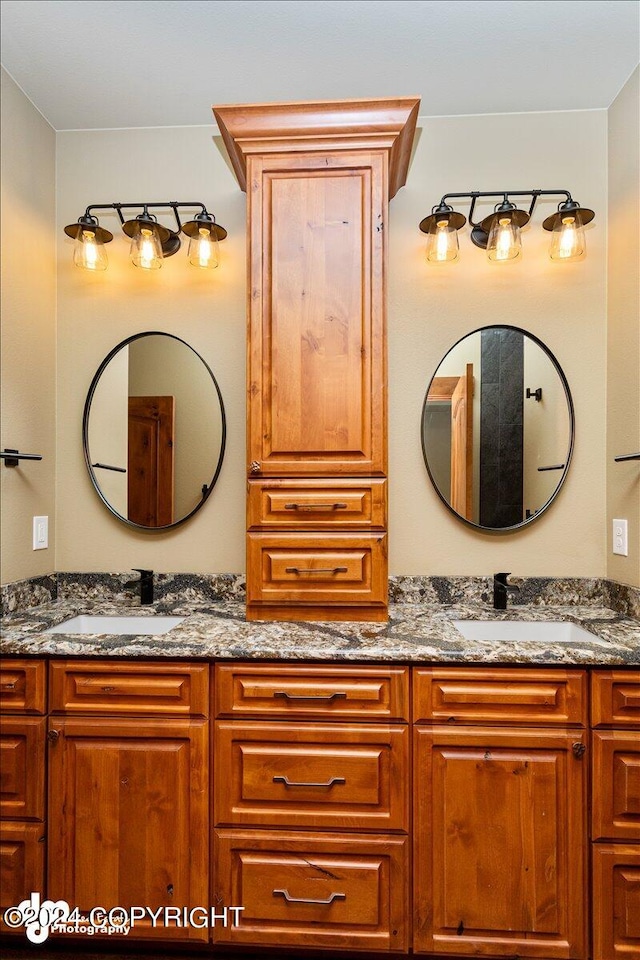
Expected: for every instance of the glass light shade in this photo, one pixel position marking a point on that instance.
(203, 249)
(89, 252)
(567, 239)
(504, 240)
(442, 243)
(146, 249)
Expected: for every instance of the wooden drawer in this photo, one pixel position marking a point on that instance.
(22, 764)
(317, 504)
(22, 849)
(90, 687)
(306, 890)
(319, 568)
(616, 785)
(615, 698)
(362, 693)
(23, 686)
(312, 775)
(616, 901)
(501, 695)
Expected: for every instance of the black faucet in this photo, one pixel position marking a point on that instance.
(501, 589)
(146, 585)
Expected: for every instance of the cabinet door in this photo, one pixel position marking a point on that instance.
(129, 816)
(22, 767)
(616, 785)
(500, 837)
(21, 866)
(616, 901)
(317, 400)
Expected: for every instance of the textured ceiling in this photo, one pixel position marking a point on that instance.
(136, 64)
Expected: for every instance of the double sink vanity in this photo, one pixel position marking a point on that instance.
(456, 781)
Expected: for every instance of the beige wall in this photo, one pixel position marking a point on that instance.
(623, 347)
(28, 331)
(429, 309)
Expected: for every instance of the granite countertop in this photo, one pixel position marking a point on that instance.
(415, 633)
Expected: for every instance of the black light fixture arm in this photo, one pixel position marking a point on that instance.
(474, 195)
(169, 205)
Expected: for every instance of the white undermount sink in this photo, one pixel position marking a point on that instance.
(539, 631)
(148, 625)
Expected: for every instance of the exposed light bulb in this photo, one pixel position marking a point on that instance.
(203, 249)
(504, 240)
(567, 241)
(146, 249)
(89, 252)
(442, 243)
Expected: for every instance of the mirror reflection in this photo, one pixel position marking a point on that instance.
(154, 430)
(497, 428)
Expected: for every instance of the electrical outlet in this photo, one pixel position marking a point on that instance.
(620, 538)
(40, 533)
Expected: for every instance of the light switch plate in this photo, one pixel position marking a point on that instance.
(40, 533)
(620, 538)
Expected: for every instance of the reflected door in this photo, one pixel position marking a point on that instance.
(151, 460)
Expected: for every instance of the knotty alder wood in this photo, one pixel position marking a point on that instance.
(22, 855)
(499, 842)
(23, 686)
(22, 765)
(615, 698)
(616, 771)
(616, 901)
(129, 818)
(316, 504)
(343, 891)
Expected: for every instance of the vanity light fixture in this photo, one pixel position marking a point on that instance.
(151, 241)
(499, 233)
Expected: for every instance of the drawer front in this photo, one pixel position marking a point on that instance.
(312, 775)
(128, 688)
(23, 686)
(616, 901)
(616, 785)
(317, 504)
(541, 697)
(22, 849)
(319, 568)
(615, 698)
(22, 764)
(376, 693)
(313, 890)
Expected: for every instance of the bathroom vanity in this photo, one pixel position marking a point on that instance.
(373, 799)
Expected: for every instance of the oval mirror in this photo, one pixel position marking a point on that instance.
(154, 431)
(498, 428)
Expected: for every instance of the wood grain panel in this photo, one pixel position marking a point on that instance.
(616, 785)
(500, 851)
(23, 686)
(91, 687)
(22, 856)
(22, 767)
(345, 892)
(317, 504)
(312, 775)
(310, 691)
(615, 698)
(616, 902)
(501, 695)
(131, 797)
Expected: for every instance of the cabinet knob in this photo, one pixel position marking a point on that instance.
(254, 467)
(53, 736)
(579, 750)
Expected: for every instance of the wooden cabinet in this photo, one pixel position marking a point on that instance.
(499, 818)
(22, 782)
(128, 794)
(318, 178)
(306, 762)
(615, 821)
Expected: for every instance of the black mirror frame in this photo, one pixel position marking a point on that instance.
(569, 399)
(85, 432)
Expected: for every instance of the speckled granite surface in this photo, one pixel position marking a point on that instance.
(416, 632)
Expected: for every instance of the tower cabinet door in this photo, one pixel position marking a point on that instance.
(317, 402)
(500, 842)
(129, 817)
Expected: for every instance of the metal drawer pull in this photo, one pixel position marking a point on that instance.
(285, 695)
(287, 896)
(316, 570)
(293, 783)
(315, 506)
